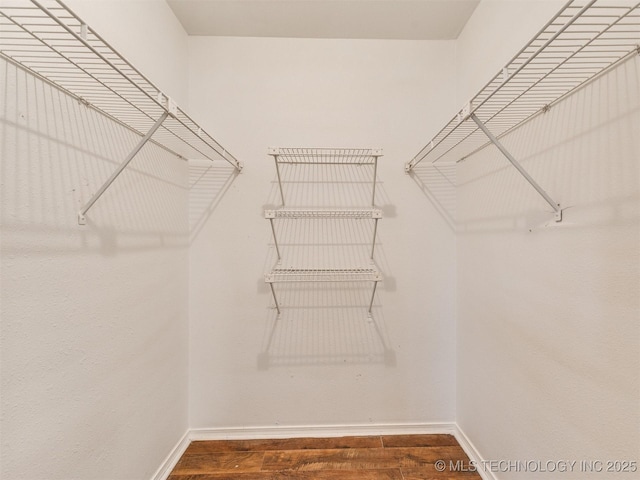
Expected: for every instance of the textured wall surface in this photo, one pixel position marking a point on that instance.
(548, 331)
(322, 362)
(93, 339)
(496, 31)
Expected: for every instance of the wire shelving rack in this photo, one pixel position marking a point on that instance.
(333, 157)
(49, 40)
(584, 39)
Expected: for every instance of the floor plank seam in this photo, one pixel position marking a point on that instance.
(392, 458)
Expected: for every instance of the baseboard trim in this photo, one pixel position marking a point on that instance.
(319, 431)
(473, 453)
(176, 452)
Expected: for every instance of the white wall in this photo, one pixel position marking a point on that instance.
(318, 364)
(147, 34)
(496, 31)
(548, 332)
(93, 337)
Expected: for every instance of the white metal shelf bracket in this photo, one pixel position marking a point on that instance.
(523, 172)
(275, 238)
(375, 174)
(375, 232)
(373, 295)
(82, 220)
(275, 159)
(275, 299)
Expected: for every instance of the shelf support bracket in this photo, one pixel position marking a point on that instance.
(82, 220)
(375, 174)
(523, 172)
(275, 239)
(275, 159)
(373, 242)
(275, 299)
(373, 295)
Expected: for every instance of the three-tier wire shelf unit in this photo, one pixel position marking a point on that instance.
(582, 41)
(51, 42)
(333, 158)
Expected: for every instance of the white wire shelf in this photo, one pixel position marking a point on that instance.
(584, 39)
(48, 39)
(374, 214)
(355, 213)
(326, 156)
(278, 275)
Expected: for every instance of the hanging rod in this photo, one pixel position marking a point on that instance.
(48, 39)
(585, 38)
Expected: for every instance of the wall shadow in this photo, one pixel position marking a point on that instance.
(325, 324)
(438, 183)
(56, 153)
(208, 182)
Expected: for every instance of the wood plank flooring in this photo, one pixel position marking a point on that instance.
(399, 457)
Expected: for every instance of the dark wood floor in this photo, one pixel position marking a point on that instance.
(401, 457)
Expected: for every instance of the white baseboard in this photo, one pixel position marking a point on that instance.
(174, 455)
(319, 431)
(473, 453)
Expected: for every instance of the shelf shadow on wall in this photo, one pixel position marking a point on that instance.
(438, 183)
(325, 324)
(568, 149)
(565, 151)
(324, 186)
(56, 153)
(208, 182)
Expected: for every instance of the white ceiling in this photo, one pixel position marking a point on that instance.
(381, 19)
